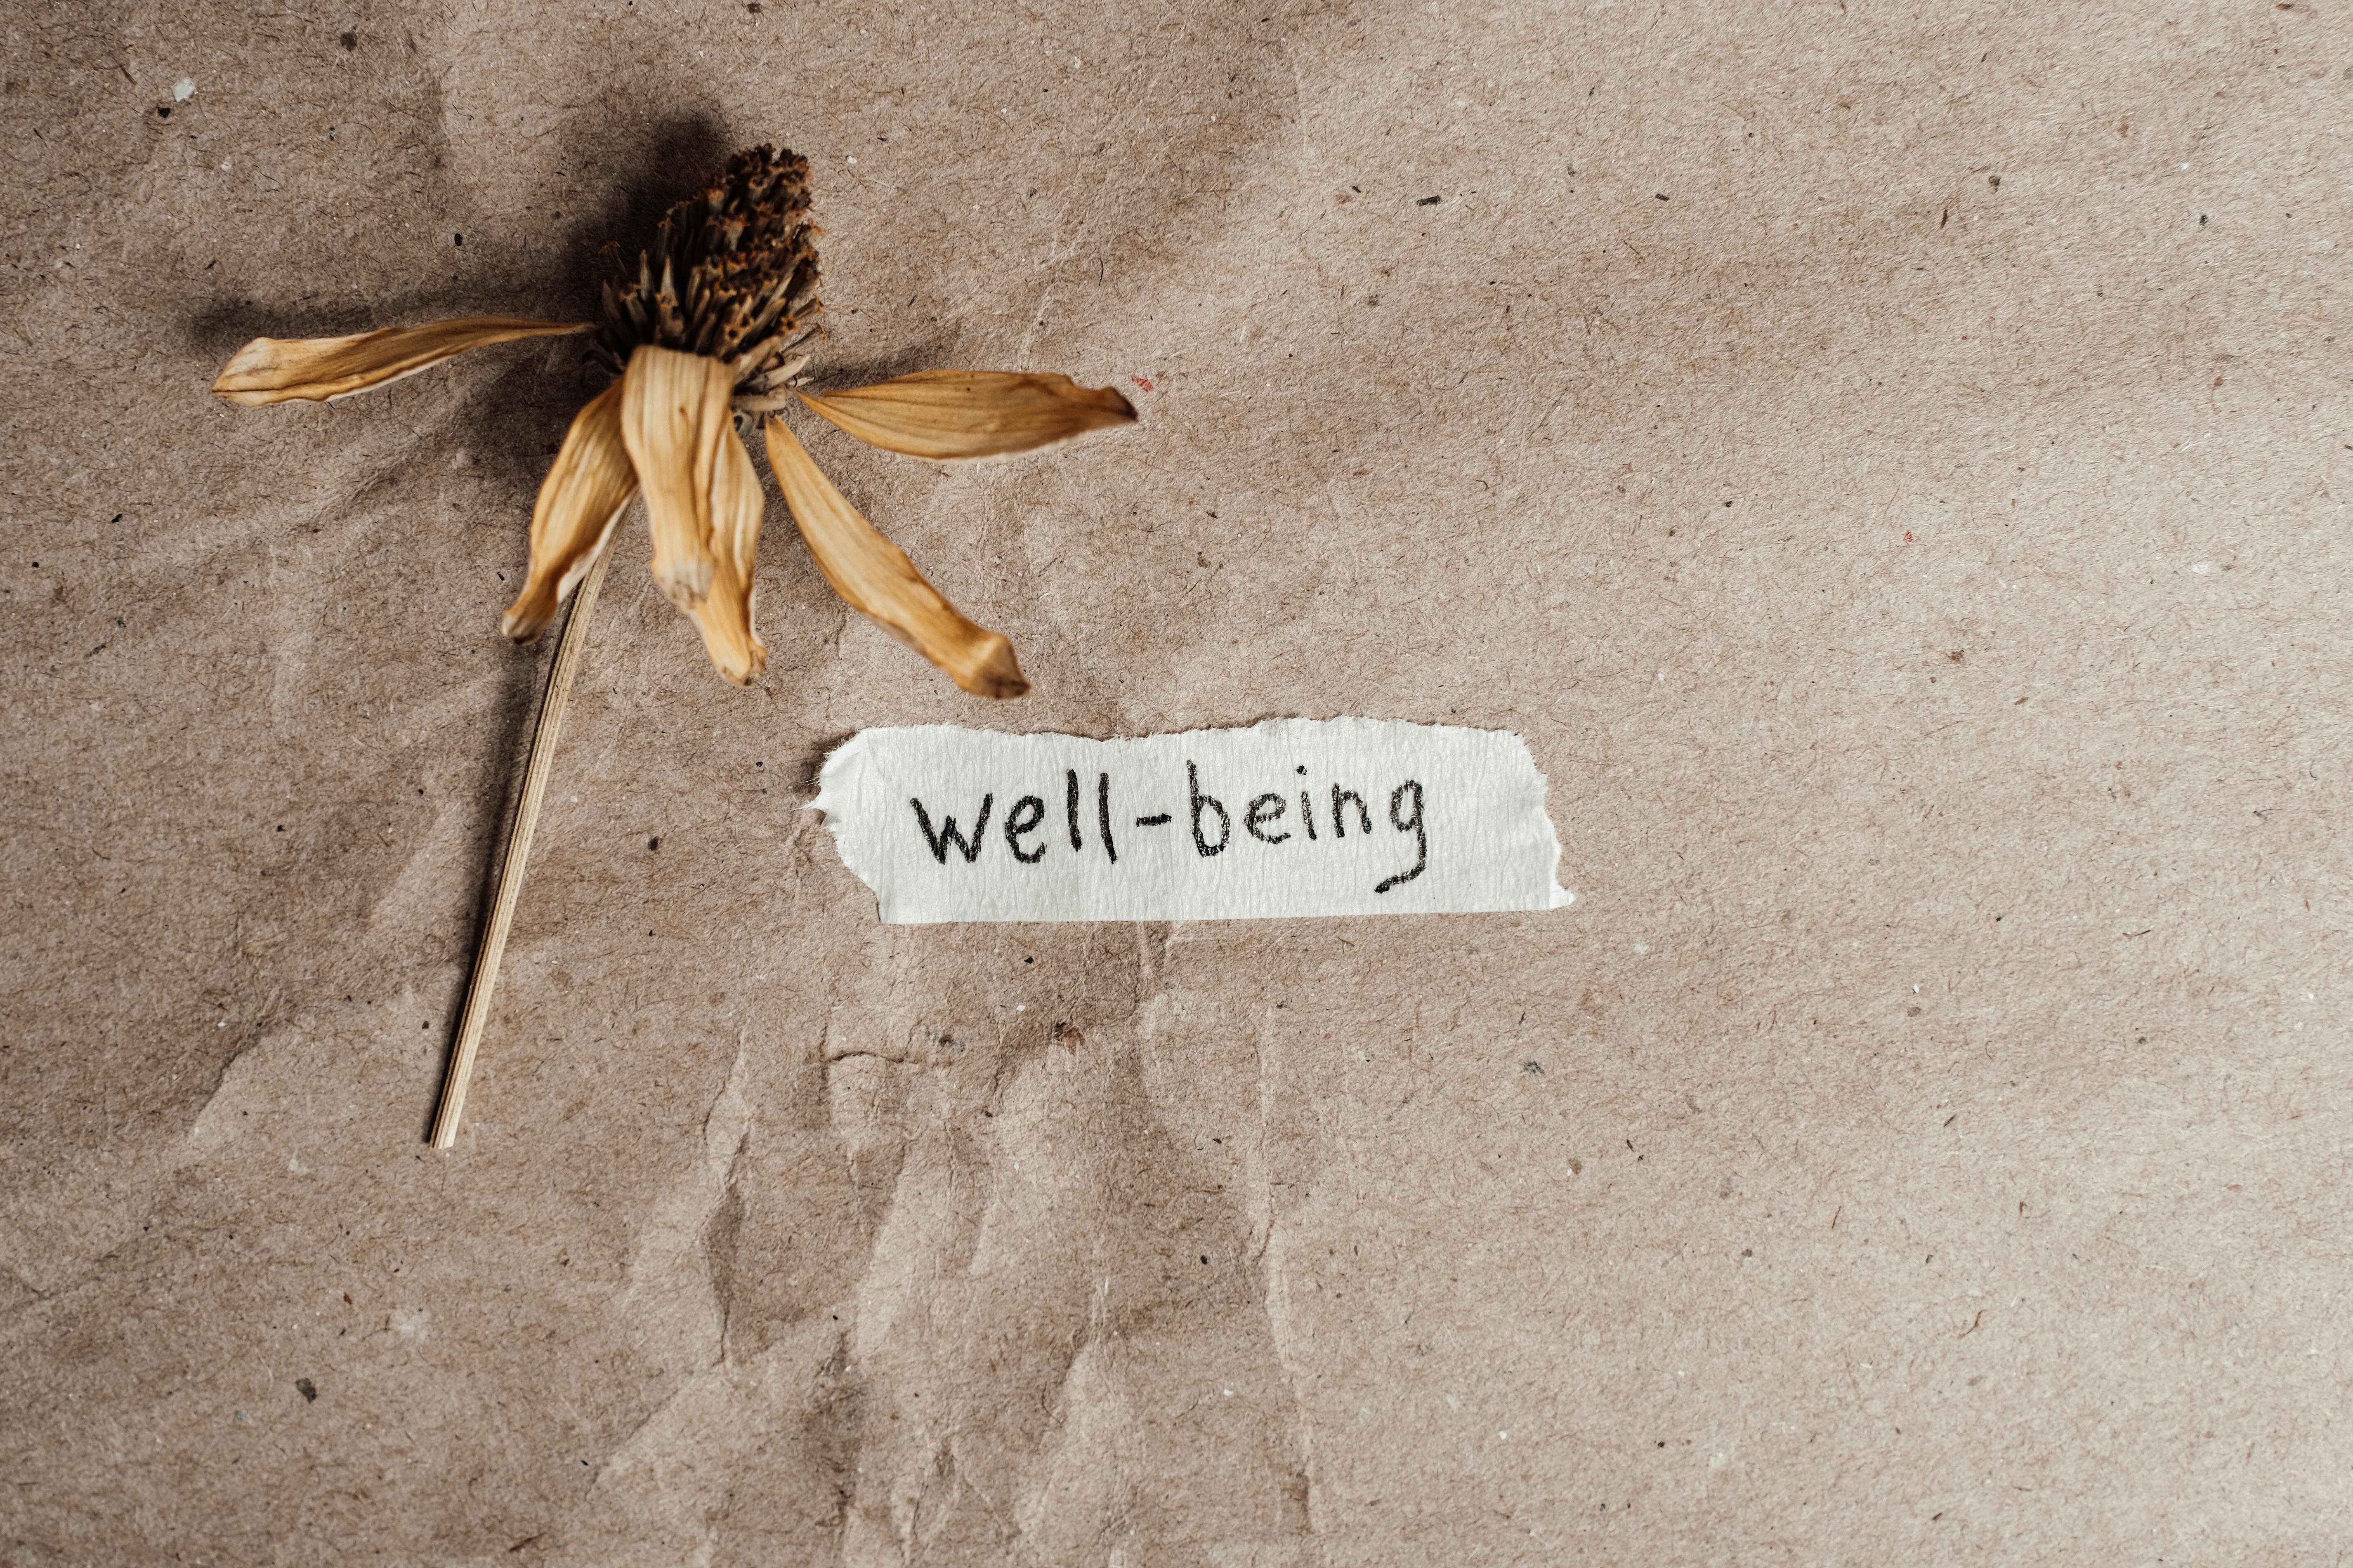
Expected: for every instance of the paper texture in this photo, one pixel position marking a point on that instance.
(1296, 817)
(1888, 461)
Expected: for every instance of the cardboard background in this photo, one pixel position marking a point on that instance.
(1923, 1137)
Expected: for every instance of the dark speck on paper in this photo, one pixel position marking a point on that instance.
(1429, 201)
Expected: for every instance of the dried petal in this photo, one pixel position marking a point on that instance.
(724, 615)
(874, 575)
(673, 406)
(319, 369)
(586, 492)
(971, 413)
(702, 497)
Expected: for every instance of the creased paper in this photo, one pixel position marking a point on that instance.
(1294, 816)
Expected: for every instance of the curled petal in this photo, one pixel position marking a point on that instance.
(702, 497)
(874, 575)
(586, 489)
(724, 615)
(320, 370)
(971, 413)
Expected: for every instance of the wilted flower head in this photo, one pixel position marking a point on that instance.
(701, 333)
(733, 274)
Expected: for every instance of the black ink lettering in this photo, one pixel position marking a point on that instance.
(1420, 836)
(1257, 816)
(1102, 815)
(1225, 822)
(1306, 813)
(1071, 807)
(1339, 823)
(1026, 814)
(947, 834)
(1163, 820)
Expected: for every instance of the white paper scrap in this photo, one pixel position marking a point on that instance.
(1296, 817)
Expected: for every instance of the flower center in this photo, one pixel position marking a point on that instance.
(733, 274)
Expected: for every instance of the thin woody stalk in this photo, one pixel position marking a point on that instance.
(543, 735)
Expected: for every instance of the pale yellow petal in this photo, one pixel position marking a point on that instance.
(586, 490)
(947, 414)
(874, 575)
(702, 497)
(673, 406)
(724, 615)
(319, 369)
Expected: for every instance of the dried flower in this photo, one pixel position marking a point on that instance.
(700, 335)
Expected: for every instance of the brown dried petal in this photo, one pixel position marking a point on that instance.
(946, 413)
(874, 575)
(586, 490)
(702, 498)
(319, 369)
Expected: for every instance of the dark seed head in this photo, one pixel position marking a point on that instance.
(733, 274)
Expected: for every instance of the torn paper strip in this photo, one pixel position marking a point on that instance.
(1296, 817)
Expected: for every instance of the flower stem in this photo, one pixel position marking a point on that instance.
(493, 946)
